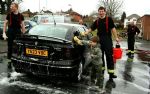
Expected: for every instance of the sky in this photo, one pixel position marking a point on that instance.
(85, 7)
(140, 7)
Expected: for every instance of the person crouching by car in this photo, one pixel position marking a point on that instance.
(93, 64)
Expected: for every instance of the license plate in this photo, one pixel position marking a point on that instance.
(37, 52)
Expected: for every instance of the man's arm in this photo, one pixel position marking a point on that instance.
(4, 29)
(138, 31)
(23, 27)
(86, 32)
(92, 28)
(114, 32)
(5, 26)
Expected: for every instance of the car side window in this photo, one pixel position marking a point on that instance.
(35, 19)
(69, 34)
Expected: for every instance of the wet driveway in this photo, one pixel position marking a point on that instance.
(133, 77)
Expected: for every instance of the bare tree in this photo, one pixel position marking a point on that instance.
(2, 7)
(8, 3)
(112, 6)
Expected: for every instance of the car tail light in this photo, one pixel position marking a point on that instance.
(57, 54)
(61, 54)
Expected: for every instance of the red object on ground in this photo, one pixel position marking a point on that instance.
(117, 53)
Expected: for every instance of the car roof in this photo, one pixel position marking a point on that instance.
(66, 24)
(41, 15)
(28, 20)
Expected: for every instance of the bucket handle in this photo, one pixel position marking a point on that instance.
(117, 44)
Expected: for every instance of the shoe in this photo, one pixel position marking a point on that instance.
(130, 59)
(128, 53)
(132, 55)
(111, 76)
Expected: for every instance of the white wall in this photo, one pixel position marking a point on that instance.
(126, 21)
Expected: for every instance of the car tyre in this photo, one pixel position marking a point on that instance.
(18, 70)
(77, 73)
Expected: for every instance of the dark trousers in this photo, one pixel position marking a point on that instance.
(131, 42)
(109, 58)
(11, 34)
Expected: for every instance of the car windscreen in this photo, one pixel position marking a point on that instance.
(33, 23)
(57, 31)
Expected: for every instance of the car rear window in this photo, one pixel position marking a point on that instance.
(33, 23)
(58, 31)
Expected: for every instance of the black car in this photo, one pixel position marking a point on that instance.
(49, 50)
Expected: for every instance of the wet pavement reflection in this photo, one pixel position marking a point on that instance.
(127, 74)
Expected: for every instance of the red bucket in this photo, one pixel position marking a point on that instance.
(117, 53)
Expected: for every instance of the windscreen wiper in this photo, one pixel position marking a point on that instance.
(63, 40)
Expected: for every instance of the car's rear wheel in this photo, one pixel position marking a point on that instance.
(77, 73)
(18, 70)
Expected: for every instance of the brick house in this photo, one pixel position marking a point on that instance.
(144, 26)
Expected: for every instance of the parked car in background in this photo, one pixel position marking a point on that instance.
(29, 24)
(45, 18)
(41, 19)
(49, 50)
